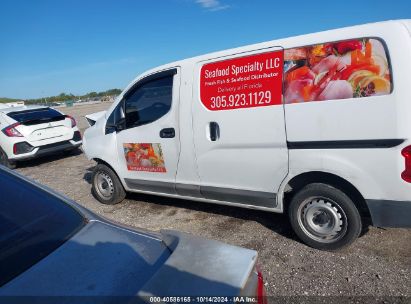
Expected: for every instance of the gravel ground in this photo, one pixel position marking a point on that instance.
(377, 264)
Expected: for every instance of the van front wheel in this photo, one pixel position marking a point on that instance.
(106, 186)
(324, 217)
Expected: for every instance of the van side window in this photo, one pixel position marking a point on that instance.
(337, 70)
(149, 101)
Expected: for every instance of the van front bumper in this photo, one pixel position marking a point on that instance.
(386, 213)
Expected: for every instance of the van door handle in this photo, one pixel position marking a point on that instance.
(167, 133)
(214, 131)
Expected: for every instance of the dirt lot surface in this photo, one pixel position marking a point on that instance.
(378, 264)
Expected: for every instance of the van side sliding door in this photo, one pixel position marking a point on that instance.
(239, 127)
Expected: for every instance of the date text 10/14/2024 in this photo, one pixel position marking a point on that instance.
(203, 299)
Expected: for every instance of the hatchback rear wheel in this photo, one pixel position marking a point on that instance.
(106, 186)
(5, 161)
(324, 217)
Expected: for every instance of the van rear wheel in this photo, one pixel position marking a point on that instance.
(324, 217)
(106, 186)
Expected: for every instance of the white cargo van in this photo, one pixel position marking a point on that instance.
(318, 126)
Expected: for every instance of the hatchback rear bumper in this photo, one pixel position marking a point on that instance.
(53, 148)
(48, 149)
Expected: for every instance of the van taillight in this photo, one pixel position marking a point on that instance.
(406, 175)
(261, 296)
(11, 131)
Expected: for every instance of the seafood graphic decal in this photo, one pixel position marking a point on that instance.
(144, 157)
(336, 70)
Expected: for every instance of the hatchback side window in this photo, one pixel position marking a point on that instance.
(149, 101)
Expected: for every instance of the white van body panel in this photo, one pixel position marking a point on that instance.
(187, 171)
(92, 118)
(250, 141)
(374, 172)
(375, 117)
(96, 143)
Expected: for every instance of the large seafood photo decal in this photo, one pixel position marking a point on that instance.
(144, 157)
(336, 70)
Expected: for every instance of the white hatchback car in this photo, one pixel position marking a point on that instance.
(33, 131)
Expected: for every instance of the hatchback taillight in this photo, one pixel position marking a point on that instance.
(73, 121)
(406, 175)
(11, 130)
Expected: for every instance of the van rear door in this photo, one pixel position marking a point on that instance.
(239, 127)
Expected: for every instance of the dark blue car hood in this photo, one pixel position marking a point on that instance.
(99, 260)
(108, 261)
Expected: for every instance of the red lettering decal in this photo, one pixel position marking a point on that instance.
(245, 82)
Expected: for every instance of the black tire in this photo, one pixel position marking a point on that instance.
(324, 217)
(5, 161)
(106, 186)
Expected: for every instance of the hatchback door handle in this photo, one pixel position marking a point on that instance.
(167, 133)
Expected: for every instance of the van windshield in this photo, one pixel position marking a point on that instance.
(33, 223)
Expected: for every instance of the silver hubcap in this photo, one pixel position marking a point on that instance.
(322, 219)
(104, 185)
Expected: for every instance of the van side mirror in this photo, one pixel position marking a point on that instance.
(115, 127)
(110, 129)
(117, 121)
(121, 124)
(119, 117)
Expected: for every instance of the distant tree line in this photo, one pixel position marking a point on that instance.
(5, 100)
(64, 97)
